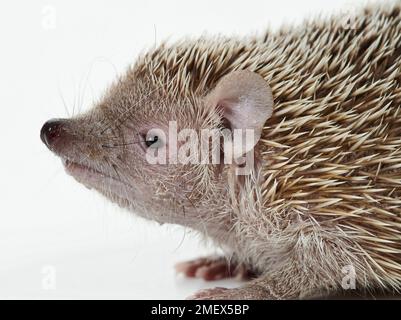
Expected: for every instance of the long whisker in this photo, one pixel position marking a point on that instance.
(121, 144)
(83, 86)
(63, 101)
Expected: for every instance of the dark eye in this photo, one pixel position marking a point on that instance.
(151, 140)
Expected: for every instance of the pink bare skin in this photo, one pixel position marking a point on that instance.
(214, 268)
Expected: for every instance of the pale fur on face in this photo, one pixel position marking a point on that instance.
(110, 140)
(325, 190)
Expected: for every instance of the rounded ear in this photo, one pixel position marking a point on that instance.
(246, 102)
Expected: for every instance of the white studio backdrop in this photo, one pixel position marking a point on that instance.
(58, 239)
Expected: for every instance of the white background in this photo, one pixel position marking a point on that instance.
(49, 225)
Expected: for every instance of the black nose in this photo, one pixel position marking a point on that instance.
(51, 130)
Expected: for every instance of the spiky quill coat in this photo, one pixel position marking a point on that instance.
(328, 195)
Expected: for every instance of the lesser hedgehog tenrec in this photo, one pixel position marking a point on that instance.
(322, 197)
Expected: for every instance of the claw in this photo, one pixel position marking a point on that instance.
(213, 268)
